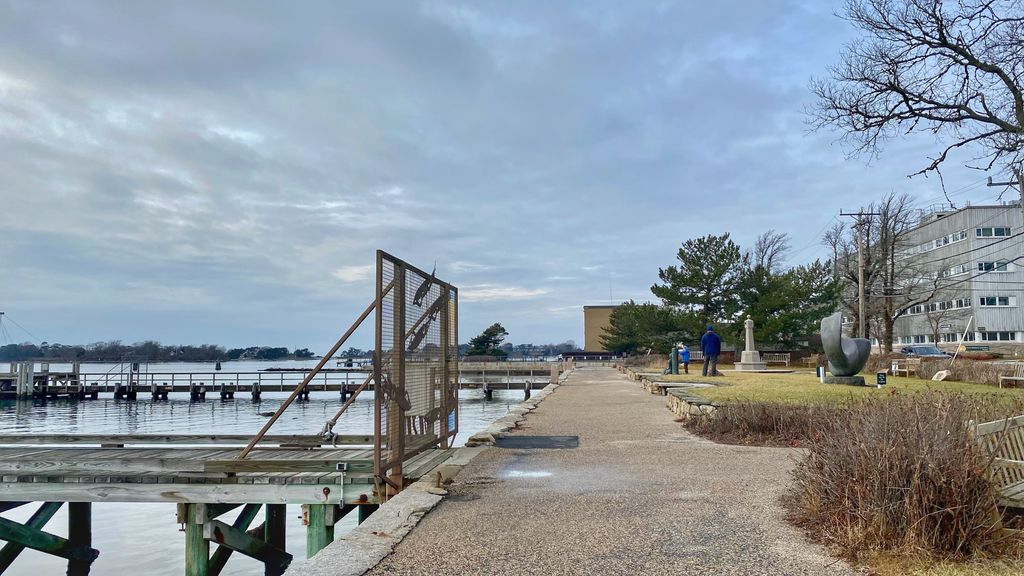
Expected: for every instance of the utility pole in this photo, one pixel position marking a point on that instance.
(1019, 184)
(861, 292)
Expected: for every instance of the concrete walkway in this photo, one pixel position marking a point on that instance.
(638, 496)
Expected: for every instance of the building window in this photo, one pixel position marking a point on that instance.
(998, 336)
(997, 266)
(992, 232)
(956, 270)
(950, 337)
(989, 301)
(919, 339)
(944, 241)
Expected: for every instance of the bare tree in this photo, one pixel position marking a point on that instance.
(952, 69)
(942, 313)
(903, 281)
(769, 250)
(842, 241)
(893, 283)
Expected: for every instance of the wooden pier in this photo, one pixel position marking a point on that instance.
(415, 376)
(205, 482)
(23, 382)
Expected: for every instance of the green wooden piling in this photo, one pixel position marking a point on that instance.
(318, 533)
(197, 548)
(79, 534)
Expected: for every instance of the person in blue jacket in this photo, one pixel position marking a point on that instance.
(684, 358)
(711, 346)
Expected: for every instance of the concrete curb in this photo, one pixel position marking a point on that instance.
(366, 545)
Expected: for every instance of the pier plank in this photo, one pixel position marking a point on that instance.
(182, 493)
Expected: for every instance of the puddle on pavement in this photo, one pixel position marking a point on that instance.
(526, 474)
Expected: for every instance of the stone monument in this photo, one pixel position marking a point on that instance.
(750, 359)
(846, 356)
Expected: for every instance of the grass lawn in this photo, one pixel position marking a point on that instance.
(803, 386)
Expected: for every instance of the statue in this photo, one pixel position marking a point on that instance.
(846, 356)
(750, 359)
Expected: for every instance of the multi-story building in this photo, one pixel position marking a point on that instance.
(596, 319)
(975, 255)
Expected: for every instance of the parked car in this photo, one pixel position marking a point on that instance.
(924, 352)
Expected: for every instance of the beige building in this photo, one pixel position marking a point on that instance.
(595, 320)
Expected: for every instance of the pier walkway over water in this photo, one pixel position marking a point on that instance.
(637, 495)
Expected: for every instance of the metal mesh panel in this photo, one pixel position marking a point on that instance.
(415, 366)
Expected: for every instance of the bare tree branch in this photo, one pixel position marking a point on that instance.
(952, 69)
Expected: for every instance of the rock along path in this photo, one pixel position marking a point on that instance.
(639, 495)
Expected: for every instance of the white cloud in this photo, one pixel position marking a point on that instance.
(460, 266)
(490, 292)
(237, 135)
(355, 273)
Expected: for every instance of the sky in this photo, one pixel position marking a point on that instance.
(195, 172)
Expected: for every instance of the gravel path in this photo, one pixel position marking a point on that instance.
(638, 496)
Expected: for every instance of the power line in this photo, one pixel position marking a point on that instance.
(946, 286)
(816, 240)
(23, 329)
(990, 244)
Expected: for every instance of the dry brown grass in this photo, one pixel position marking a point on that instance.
(901, 475)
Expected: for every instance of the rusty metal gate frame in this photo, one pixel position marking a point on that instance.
(415, 357)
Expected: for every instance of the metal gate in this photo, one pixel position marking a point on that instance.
(415, 365)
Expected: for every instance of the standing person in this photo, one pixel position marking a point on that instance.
(711, 346)
(684, 358)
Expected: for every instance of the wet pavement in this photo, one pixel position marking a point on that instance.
(637, 495)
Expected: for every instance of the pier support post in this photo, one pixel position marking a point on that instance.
(365, 510)
(274, 533)
(319, 533)
(197, 548)
(26, 380)
(79, 534)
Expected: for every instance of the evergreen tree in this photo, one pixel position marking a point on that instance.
(706, 282)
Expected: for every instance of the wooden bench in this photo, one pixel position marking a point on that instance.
(776, 357)
(1003, 441)
(1018, 376)
(811, 361)
(696, 356)
(905, 366)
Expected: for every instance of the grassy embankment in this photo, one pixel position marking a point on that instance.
(803, 387)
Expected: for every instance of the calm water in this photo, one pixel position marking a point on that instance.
(144, 538)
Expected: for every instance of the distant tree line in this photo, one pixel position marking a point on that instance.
(148, 351)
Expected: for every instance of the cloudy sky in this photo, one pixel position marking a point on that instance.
(198, 172)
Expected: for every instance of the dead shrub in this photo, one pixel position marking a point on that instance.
(900, 473)
(769, 423)
(880, 362)
(646, 362)
(964, 370)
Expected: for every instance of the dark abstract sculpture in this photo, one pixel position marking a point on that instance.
(846, 356)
